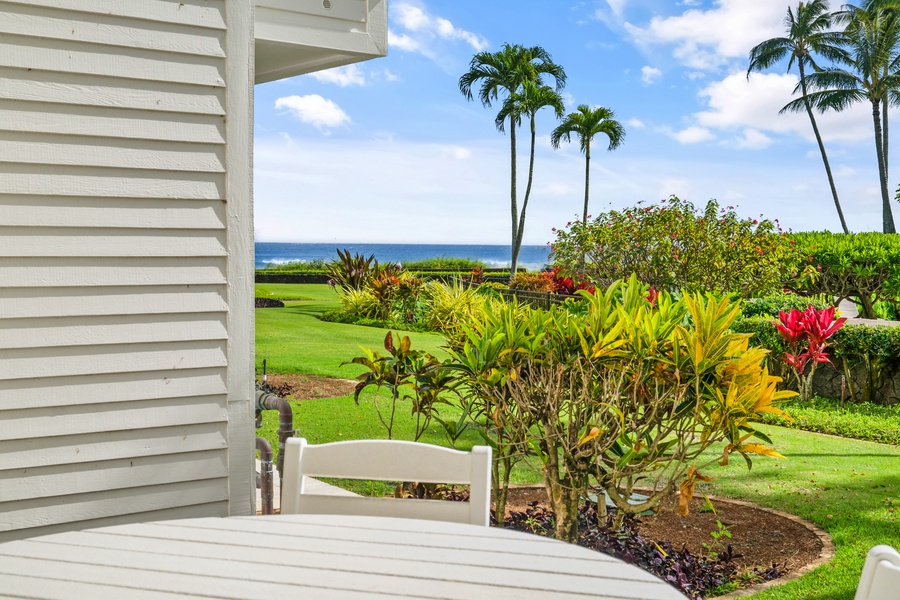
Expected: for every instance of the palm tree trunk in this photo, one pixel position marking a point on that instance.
(521, 230)
(884, 134)
(812, 119)
(514, 209)
(887, 217)
(587, 182)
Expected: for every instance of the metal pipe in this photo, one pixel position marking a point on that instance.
(268, 401)
(266, 484)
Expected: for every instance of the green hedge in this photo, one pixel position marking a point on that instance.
(864, 421)
(863, 266)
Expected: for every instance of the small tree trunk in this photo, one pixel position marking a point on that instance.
(868, 306)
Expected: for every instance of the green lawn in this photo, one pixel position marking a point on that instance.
(850, 488)
(293, 340)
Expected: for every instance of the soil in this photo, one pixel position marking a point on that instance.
(310, 387)
(761, 536)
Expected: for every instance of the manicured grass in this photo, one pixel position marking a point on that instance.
(850, 488)
(290, 291)
(293, 340)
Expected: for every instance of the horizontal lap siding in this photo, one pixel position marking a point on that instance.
(113, 262)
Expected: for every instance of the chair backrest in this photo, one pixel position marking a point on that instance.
(387, 460)
(880, 578)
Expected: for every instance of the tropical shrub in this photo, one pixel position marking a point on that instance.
(449, 307)
(407, 374)
(623, 394)
(533, 282)
(672, 245)
(861, 266)
(351, 272)
(360, 304)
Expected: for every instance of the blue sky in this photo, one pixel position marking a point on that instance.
(390, 151)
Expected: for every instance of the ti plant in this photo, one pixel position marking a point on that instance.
(807, 334)
(403, 369)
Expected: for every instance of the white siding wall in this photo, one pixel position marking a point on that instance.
(125, 261)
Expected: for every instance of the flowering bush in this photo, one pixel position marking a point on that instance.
(672, 245)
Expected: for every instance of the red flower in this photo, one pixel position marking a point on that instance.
(652, 295)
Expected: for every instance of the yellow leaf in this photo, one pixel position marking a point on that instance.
(594, 432)
(759, 449)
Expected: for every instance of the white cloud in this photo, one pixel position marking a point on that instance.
(455, 152)
(754, 139)
(617, 6)
(736, 103)
(650, 74)
(636, 123)
(410, 17)
(342, 76)
(401, 41)
(314, 110)
(674, 185)
(706, 39)
(423, 31)
(693, 135)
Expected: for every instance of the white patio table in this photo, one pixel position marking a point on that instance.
(316, 557)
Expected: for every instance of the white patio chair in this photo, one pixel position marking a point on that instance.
(387, 460)
(880, 578)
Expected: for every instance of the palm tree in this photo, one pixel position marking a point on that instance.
(808, 32)
(871, 8)
(585, 123)
(528, 101)
(872, 73)
(505, 72)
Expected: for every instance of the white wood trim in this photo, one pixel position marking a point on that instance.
(72, 88)
(76, 181)
(111, 122)
(58, 272)
(36, 212)
(43, 22)
(79, 449)
(35, 512)
(124, 387)
(59, 362)
(25, 52)
(114, 153)
(240, 265)
(133, 472)
(23, 303)
(201, 13)
(108, 414)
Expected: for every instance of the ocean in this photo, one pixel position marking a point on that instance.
(531, 257)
